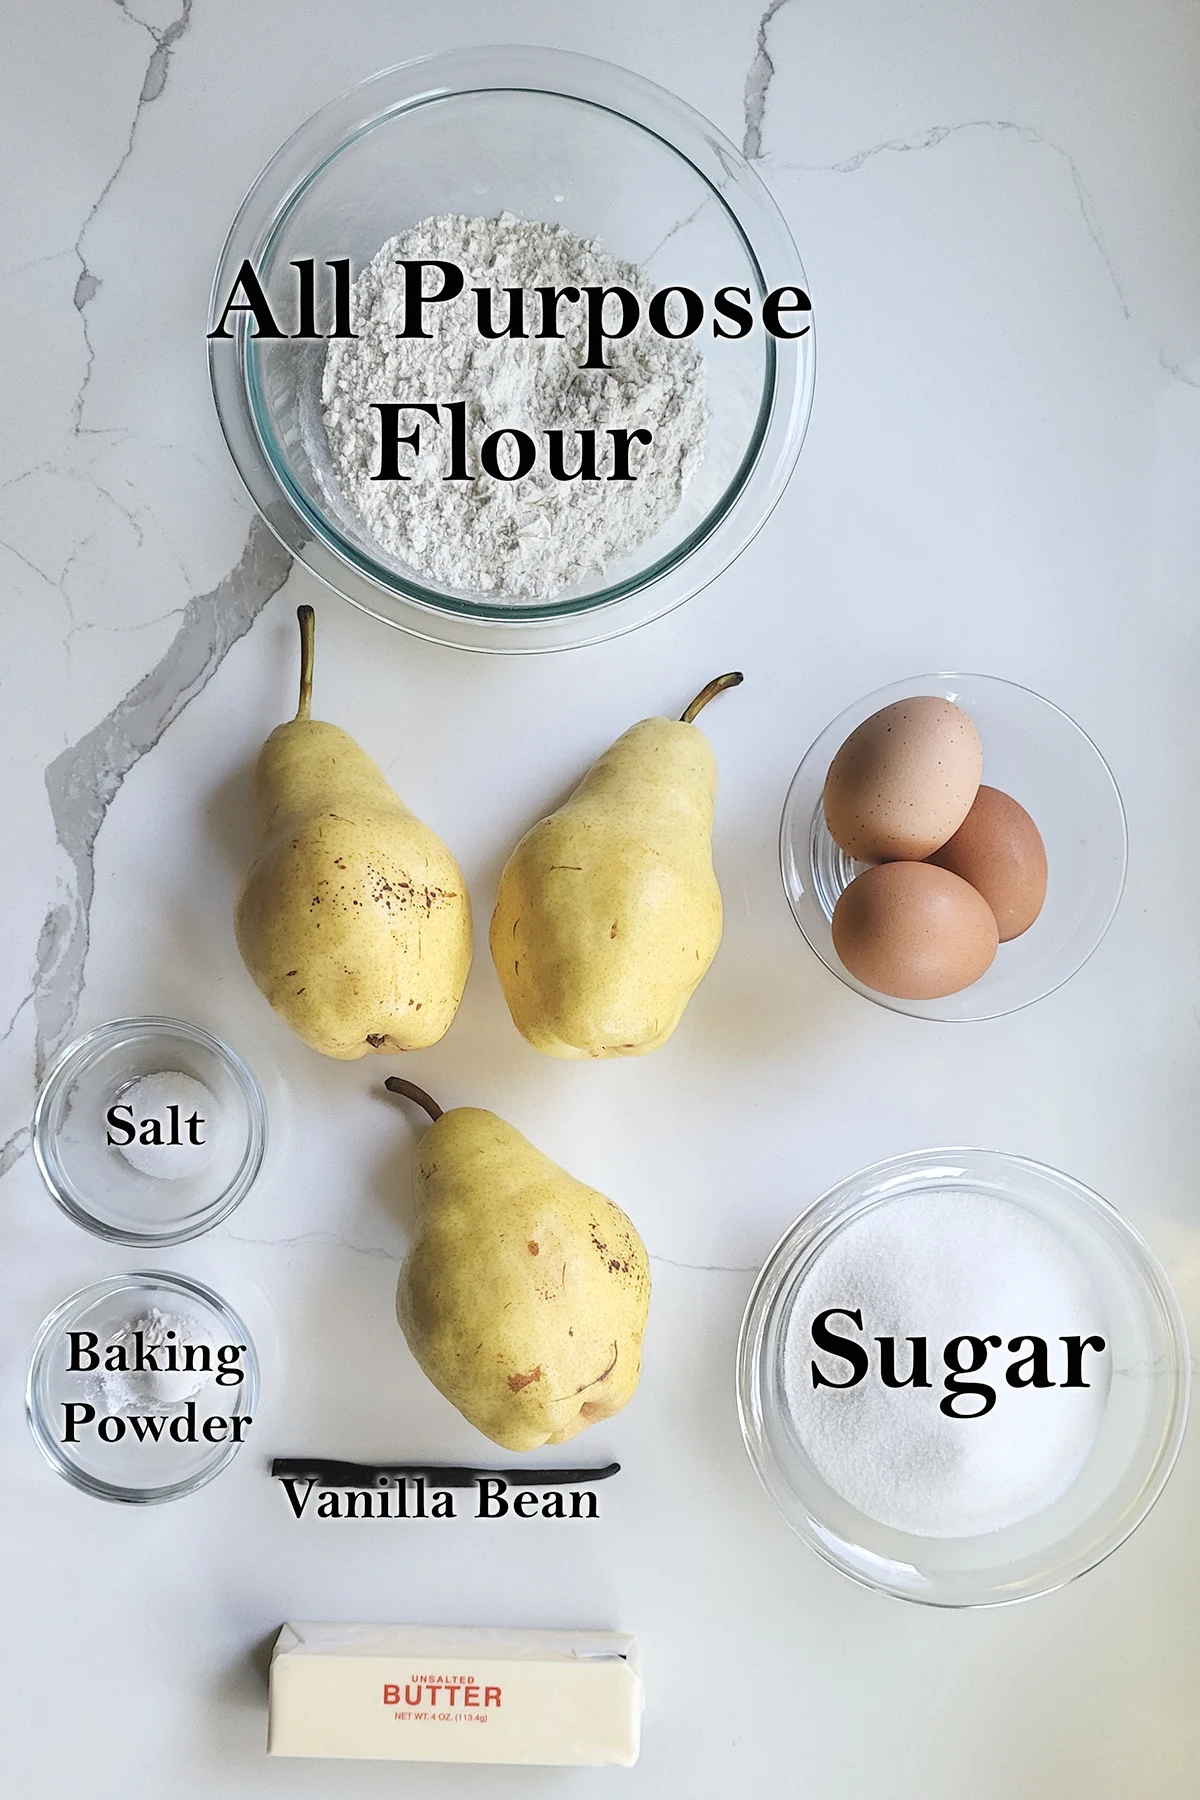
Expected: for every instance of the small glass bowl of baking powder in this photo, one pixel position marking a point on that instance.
(142, 1388)
(858, 1450)
(149, 1131)
(555, 139)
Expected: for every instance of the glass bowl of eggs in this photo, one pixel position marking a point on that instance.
(953, 847)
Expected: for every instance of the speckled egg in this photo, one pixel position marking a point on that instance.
(999, 850)
(914, 931)
(903, 781)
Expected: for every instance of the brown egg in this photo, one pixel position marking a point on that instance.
(999, 850)
(903, 781)
(914, 931)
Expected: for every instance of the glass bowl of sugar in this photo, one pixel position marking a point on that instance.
(512, 170)
(149, 1130)
(142, 1387)
(963, 1378)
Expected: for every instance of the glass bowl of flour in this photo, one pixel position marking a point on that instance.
(512, 474)
(963, 1378)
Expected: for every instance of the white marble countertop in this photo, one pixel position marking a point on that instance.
(998, 210)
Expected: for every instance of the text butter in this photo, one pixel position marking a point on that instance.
(414, 1693)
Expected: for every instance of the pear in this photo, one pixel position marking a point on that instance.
(524, 1295)
(353, 918)
(608, 912)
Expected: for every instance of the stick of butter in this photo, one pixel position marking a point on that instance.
(416, 1693)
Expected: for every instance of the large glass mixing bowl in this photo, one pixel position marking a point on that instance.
(547, 136)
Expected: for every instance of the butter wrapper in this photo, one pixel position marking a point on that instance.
(415, 1693)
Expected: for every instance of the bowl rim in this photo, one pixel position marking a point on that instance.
(785, 403)
(787, 838)
(190, 1289)
(815, 1226)
(75, 1057)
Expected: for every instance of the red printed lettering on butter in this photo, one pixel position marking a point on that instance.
(418, 1692)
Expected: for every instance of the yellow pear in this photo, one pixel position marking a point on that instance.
(353, 918)
(524, 1295)
(608, 912)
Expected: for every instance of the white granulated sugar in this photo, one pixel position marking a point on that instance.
(526, 539)
(942, 1265)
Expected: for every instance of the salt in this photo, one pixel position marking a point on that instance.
(168, 1145)
(944, 1265)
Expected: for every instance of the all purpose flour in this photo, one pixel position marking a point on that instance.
(530, 538)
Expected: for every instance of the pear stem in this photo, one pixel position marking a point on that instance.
(308, 623)
(716, 686)
(411, 1091)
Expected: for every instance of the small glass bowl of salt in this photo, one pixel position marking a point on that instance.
(963, 1377)
(149, 1131)
(142, 1387)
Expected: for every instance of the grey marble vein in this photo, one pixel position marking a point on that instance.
(88, 284)
(58, 581)
(38, 262)
(758, 79)
(77, 630)
(705, 1268)
(1177, 371)
(937, 134)
(83, 781)
(15, 1148)
(164, 42)
(12, 1023)
(31, 566)
(12, 1151)
(327, 1240)
(677, 227)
